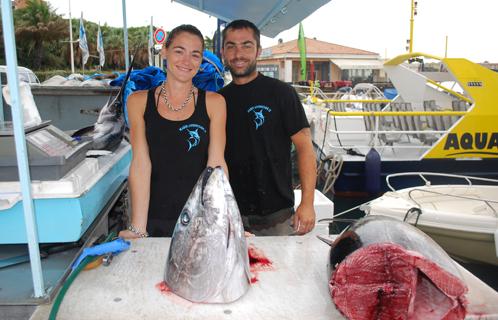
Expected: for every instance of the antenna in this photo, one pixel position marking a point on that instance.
(413, 14)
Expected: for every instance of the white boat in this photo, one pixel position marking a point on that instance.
(443, 121)
(462, 217)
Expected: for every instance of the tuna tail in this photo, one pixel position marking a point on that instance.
(113, 109)
(118, 102)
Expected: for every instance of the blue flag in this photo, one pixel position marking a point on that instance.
(100, 48)
(83, 44)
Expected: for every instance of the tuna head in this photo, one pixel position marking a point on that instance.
(208, 260)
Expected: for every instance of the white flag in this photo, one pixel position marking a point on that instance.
(83, 44)
(100, 48)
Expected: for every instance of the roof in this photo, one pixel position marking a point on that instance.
(270, 16)
(314, 46)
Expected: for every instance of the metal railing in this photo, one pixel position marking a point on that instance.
(423, 176)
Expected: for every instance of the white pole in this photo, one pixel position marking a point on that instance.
(151, 42)
(71, 38)
(21, 150)
(125, 30)
(2, 116)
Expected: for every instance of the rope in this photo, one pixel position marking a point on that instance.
(330, 173)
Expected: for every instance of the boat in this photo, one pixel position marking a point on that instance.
(441, 121)
(462, 216)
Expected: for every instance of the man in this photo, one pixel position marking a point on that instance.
(264, 117)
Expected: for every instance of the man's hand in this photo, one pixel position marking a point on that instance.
(247, 234)
(304, 219)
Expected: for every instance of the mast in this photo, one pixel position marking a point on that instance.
(71, 38)
(413, 13)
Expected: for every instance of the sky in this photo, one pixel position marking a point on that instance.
(380, 26)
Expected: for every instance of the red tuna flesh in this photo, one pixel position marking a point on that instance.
(386, 281)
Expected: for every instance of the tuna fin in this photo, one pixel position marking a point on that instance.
(327, 241)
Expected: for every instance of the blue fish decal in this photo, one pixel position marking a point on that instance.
(259, 116)
(193, 138)
(193, 135)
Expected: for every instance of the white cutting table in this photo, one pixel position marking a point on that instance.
(295, 288)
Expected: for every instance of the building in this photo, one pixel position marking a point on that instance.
(325, 62)
(490, 65)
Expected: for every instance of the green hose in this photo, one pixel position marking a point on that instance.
(70, 279)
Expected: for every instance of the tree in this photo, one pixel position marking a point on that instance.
(38, 31)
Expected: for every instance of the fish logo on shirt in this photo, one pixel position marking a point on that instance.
(193, 136)
(258, 113)
(193, 139)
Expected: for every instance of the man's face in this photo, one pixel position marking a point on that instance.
(240, 51)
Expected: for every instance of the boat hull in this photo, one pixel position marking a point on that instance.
(351, 181)
(461, 218)
(462, 244)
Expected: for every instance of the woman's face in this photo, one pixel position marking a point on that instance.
(184, 56)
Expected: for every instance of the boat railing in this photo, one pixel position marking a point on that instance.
(386, 128)
(317, 95)
(312, 92)
(424, 176)
(486, 201)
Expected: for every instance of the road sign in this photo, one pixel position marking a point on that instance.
(159, 36)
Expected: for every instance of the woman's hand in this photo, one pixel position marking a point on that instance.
(127, 234)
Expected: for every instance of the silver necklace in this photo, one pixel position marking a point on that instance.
(169, 105)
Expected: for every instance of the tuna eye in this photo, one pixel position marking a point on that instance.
(185, 219)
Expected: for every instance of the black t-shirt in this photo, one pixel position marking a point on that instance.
(178, 153)
(262, 115)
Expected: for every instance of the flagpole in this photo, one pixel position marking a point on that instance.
(125, 35)
(151, 43)
(71, 38)
(98, 45)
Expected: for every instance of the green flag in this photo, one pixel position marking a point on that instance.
(301, 43)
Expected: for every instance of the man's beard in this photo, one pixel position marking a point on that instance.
(244, 73)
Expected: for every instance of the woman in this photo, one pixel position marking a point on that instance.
(176, 131)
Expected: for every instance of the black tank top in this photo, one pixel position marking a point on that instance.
(178, 152)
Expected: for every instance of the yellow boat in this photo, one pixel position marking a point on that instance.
(441, 121)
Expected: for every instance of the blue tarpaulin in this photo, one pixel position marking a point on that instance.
(209, 78)
(390, 93)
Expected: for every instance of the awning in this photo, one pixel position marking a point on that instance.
(270, 16)
(348, 64)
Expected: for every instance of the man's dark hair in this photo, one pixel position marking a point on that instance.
(184, 28)
(242, 24)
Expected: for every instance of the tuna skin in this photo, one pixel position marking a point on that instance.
(402, 275)
(208, 258)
